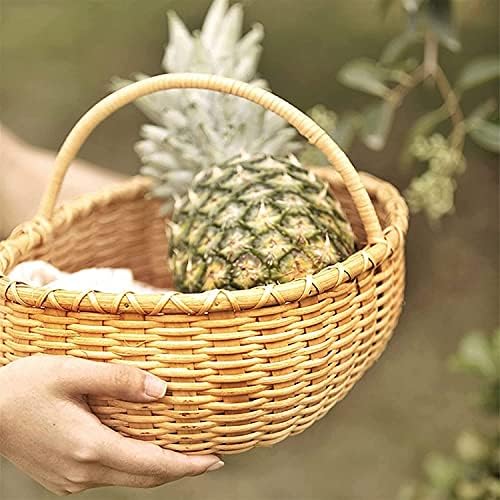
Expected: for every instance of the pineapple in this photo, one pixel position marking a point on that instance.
(255, 220)
(258, 218)
(193, 129)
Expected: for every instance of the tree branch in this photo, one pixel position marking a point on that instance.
(452, 103)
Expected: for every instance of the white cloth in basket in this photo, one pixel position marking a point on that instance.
(38, 273)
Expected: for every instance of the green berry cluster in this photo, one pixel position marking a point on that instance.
(433, 191)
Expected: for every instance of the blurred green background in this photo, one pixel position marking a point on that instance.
(56, 59)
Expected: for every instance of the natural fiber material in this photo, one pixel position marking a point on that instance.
(244, 368)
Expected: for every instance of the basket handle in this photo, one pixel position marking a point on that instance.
(300, 121)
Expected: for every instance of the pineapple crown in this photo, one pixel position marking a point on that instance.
(196, 129)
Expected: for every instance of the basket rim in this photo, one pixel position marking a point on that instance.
(34, 233)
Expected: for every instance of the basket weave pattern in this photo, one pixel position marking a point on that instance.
(245, 368)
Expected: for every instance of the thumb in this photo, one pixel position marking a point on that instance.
(79, 376)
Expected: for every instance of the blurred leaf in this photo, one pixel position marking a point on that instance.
(483, 111)
(472, 448)
(345, 130)
(470, 490)
(435, 16)
(478, 71)
(377, 122)
(312, 156)
(411, 5)
(480, 355)
(490, 398)
(398, 46)
(342, 129)
(440, 18)
(494, 488)
(364, 75)
(423, 126)
(324, 117)
(327, 120)
(441, 471)
(407, 65)
(475, 355)
(485, 134)
(495, 343)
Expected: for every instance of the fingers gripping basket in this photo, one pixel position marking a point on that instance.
(245, 368)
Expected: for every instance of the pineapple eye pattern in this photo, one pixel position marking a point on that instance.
(248, 271)
(256, 220)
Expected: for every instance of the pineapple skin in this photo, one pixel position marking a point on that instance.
(252, 221)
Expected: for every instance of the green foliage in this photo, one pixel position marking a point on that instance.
(478, 71)
(397, 47)
(342, 128)
(394, 75)
(479, 356)
(481, 130)
(364, 75)
(434, 190)
(377, 123)
(437, 16)
(486, 134)
(473, 473)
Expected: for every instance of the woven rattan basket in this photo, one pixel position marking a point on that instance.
(244, 368)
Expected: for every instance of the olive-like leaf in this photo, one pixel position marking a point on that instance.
(478, 71)
(411, 5)
(345, 129)
(377, 122)
(396, 47)
(441, 471)
(484, 111)
(485, 134)
(364, 75)
(476, 356)
(495, 344)
(482, 131)
(324, 117)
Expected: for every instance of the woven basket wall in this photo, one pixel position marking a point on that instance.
(244, 369)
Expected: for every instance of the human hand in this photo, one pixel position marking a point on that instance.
(20, 161)
(49, 432)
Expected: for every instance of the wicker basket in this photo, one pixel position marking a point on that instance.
(245, 368)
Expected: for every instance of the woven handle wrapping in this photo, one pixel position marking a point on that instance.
(301, 122)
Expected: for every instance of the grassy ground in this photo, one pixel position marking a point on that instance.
(56, 59)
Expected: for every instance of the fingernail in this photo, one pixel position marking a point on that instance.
(155, 387)
(215, 466)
